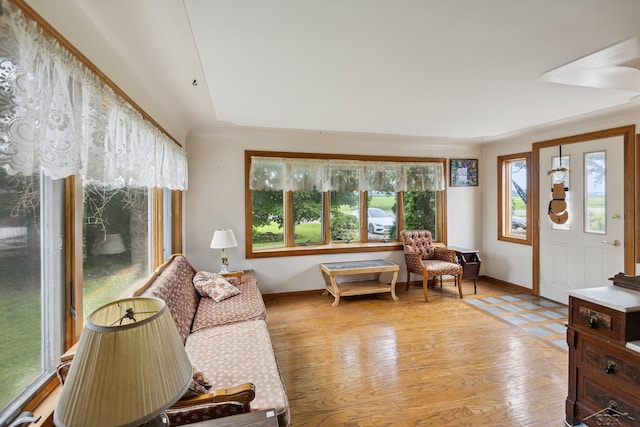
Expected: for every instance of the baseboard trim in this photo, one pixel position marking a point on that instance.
(300, 293)
(495, 281)
(447, 280)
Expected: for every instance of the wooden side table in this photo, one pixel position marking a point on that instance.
(241, 275)
(470, 261)
(266, 418)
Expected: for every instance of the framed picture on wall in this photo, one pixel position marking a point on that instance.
(464, 172)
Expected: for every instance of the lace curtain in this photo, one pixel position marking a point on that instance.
(270, 173)
(56, 116)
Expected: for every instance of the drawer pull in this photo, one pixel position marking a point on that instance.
(593, 321)
(611, 368)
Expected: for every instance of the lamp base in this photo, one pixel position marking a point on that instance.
(223, 269)
(160, 421)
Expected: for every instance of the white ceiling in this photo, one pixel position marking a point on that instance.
(443, 68)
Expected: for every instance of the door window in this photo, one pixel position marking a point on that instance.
(595, 197)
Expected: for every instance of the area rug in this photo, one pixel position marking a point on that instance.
(540, 317)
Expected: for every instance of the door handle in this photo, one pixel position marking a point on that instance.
(615, 243)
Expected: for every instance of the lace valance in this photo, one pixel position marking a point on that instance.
(58, 117)
(271, 173)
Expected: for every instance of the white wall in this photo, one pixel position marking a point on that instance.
(216, 194)
(215, 198)
(509, 261)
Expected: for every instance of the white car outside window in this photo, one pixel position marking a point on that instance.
(378, 221)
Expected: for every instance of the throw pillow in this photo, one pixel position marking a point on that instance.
(199, 385)
(235, 281)
(198, 376)
(214, 285)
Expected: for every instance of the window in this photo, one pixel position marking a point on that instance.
(314, 203)
(116, 243)
(595, 197)
(514, 209)
(30, 307)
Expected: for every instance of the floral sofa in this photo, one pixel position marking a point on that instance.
(227, 342)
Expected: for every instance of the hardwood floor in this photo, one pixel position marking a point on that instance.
(372, 361)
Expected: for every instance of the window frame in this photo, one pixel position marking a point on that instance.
(158, 222)
(504, 190)
(290, 249)
(51, 300)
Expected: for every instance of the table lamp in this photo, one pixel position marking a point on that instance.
(223, 239)
(129, 367)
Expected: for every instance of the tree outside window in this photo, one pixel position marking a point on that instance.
(116, 243)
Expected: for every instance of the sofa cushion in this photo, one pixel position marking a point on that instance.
(436, 268)
(174, 284)
(239, 353)
(248, 305)
(214, 286)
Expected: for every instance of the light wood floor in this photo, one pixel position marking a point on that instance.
(372, 361)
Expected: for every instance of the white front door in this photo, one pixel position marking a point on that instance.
(589, 248)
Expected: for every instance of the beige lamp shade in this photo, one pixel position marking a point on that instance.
(130, 365)
(223, 239)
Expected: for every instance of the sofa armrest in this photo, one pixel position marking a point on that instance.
(193, 401)
(413, 260)
(244, 393)
(202, 412)
(221, 403)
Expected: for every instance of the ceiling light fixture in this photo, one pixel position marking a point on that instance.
(615, 67)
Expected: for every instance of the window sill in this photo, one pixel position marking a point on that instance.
(44, 409)
(515, 240)
(334, 248)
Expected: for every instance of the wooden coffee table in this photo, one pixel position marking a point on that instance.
(332, 270)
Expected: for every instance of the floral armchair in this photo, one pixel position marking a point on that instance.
(427, 260)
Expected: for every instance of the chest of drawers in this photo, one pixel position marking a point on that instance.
(603, 373)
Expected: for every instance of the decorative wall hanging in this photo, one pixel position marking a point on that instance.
(464, 172)
(558, 206)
